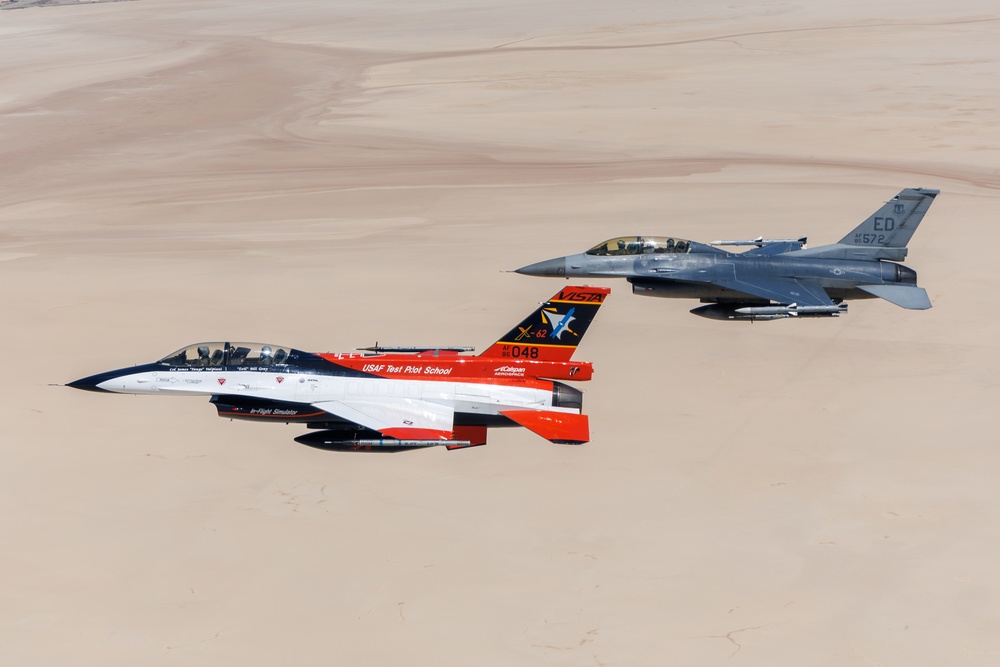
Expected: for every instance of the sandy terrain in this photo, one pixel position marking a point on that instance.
(26, 4)
(329, 174)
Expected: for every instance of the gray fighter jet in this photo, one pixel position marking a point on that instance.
(777, 278)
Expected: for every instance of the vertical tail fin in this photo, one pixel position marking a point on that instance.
(892, 225)
(553, 331)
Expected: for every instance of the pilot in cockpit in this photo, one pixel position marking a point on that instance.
(266, 355)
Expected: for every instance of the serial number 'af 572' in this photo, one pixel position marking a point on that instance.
(777, 278)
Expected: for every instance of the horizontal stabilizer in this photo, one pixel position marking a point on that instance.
(569, 428)
(913, 298)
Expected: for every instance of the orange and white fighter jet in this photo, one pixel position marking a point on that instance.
(387, 398)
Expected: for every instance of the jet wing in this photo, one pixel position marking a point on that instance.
(781, 290)
(403, 418)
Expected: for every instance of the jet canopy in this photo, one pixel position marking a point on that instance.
(227, 354)
(641, 245)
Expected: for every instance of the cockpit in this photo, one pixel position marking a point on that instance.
(202, 355)
(641, 245)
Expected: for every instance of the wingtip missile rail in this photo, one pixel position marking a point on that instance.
(379, 349)
(760, 242)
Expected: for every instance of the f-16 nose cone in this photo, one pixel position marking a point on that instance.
(550, 267)
(91, 383)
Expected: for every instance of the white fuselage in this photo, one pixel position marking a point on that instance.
(463, 397)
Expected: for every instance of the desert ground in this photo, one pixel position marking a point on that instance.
(327, 175)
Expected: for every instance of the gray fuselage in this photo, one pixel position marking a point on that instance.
(695, 274)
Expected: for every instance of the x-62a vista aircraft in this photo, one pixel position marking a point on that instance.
(391, 399)
(779, 278)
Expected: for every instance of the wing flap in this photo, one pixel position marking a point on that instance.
(403, 418)
(476, 435)
(561, 427)
(912, 298)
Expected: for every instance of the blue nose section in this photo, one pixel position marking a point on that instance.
(91, 383)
